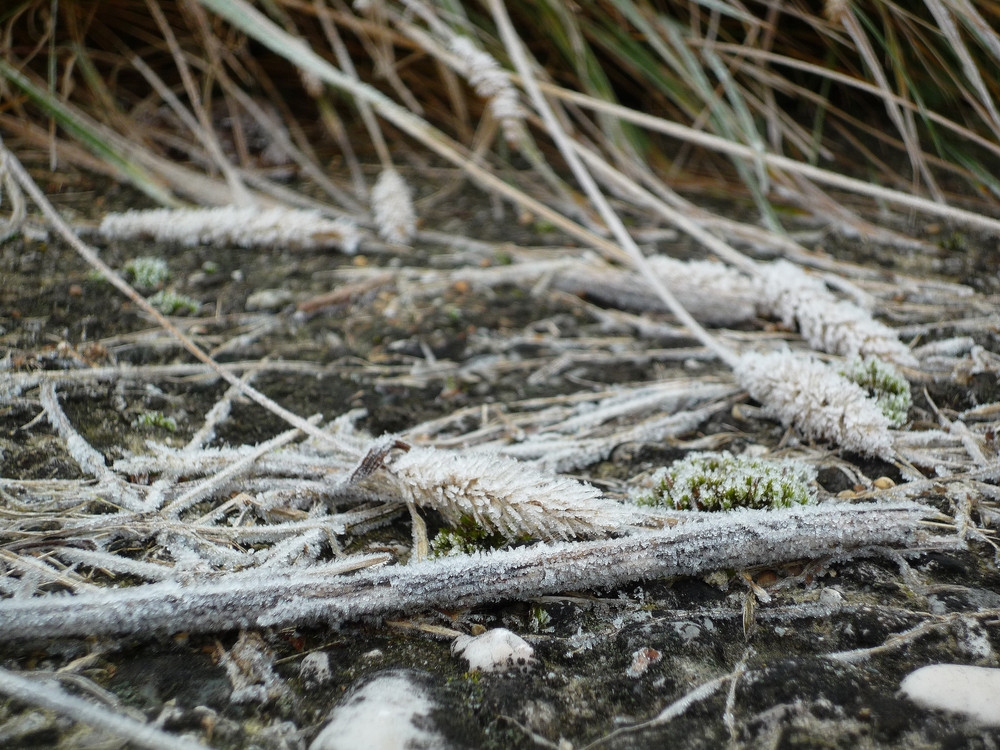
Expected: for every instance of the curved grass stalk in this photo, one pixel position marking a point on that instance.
(777, 161)
(92, 137)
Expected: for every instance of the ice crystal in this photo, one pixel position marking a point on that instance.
(828, 324)
(803, 392)
(883, 383)
(491, 82)
(502, 495)
(232, 225)
(392, 206)
(722, 481)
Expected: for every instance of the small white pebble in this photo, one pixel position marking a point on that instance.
(497, 650)
(973, 692)
(391, 711)
(315, 668)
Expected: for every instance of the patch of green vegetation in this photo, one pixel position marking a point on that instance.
(884, 383)
(722, 481)
(541, 620)
(155, 420)
(148, 272)
(464, 539)
(171, 303)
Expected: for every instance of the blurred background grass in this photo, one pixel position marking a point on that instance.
(185, 106)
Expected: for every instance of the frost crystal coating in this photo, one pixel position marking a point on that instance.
(803, 392)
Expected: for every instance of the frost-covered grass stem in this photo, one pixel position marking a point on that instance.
(253, 599)
(47, 694)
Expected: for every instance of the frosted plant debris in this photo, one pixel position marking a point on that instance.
(722, 481)
(252, 599)
(49, 695)
(233, 225)
(249, 665)
(803, 392)
(392, 206)
(492, 83)
(828, 324)
(502, 494)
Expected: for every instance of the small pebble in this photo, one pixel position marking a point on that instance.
(392, 711)
(315, 668)
(268, 299)
(972, 692)
(497, 650)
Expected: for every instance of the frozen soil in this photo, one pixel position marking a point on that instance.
(366, 351)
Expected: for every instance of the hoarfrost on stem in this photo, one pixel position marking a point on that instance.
(392, 206)
(492, 83)
(255, 599)
(828, 324)
(233, 225)
(502, 494)
(803, 392)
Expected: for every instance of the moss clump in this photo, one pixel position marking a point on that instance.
(170, 303)
(148, 272)
(883, 382)
(155, 420)
(722, 481)
(465, 538)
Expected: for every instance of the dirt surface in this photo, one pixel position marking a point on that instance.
(402, 362)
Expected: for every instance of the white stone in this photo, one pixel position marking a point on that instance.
(973, 692)
(497, 650)
(391, 712)
(315, 668)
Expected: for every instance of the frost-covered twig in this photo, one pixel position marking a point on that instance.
(252, 600)
(213, 483)
(47, 694)
(84, 454)
(233, 225)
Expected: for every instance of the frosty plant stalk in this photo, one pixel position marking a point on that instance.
(255, 599)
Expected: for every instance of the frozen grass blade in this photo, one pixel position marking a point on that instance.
(89, 136)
